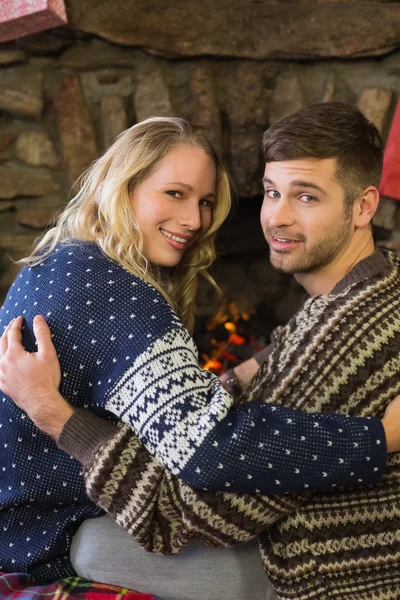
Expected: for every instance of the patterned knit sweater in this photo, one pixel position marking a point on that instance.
(126, 356)
(340, 352)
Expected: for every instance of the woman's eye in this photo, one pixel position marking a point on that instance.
(174, 193)
(206, 203)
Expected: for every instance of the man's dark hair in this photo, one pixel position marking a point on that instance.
(330, 130)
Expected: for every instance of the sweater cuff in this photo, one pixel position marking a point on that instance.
(261, 356)
(83, 434)
(376, 447)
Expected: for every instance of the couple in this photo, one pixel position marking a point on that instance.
(116, 279)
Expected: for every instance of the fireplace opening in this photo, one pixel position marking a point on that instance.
(255, 297)
(231, 336)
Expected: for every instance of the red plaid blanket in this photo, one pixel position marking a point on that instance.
(22, 586)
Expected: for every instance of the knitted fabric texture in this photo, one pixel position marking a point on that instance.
(340, 352)
(108, 326)
(125, 355)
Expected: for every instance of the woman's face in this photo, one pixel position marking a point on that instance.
(173, 205)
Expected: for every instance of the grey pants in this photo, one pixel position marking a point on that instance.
(102, 551)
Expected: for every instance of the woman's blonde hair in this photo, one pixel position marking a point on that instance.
(101, 211)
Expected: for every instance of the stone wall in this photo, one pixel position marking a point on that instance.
(235, 67)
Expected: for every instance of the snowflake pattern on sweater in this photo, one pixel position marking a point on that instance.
(107, 326)
(125, 355)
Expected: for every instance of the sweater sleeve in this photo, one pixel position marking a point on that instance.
(161, 511)
(292, 451)
(263, 354)
(187, 420)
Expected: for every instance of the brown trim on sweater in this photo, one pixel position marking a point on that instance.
(84, 433)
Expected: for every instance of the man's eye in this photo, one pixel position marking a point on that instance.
(272, 194)
(307, 198)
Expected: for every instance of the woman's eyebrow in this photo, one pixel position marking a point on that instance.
(185, 185)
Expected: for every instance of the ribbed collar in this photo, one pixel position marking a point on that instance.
(371, 266)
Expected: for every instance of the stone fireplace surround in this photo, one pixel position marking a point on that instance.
(235, 67)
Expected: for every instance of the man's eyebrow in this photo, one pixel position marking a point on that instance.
(298, 183)
(266, 180)
(309, 184)
(188, 187)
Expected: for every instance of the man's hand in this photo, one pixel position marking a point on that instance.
(32, 379)
(391, 424)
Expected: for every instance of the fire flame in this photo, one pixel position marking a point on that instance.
(228, 317)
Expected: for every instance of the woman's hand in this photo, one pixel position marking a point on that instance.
(32, 379)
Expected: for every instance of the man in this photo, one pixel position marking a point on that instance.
(339, 353)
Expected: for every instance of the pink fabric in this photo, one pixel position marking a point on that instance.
(390, 183)
(23, 17)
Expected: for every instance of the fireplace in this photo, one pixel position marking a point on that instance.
(67, 92)
(255, 297)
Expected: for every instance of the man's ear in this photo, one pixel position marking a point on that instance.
(365, 207)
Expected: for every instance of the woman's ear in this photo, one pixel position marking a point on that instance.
(365, 207)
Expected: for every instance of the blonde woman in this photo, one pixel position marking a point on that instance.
(116, 279)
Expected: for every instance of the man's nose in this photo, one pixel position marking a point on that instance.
(280, 214)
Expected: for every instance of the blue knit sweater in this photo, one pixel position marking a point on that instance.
(126, 356)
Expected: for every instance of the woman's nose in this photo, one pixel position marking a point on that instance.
(190, 217)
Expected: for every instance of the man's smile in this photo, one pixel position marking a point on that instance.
(282, 243)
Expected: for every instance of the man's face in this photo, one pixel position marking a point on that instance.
(303, 215)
